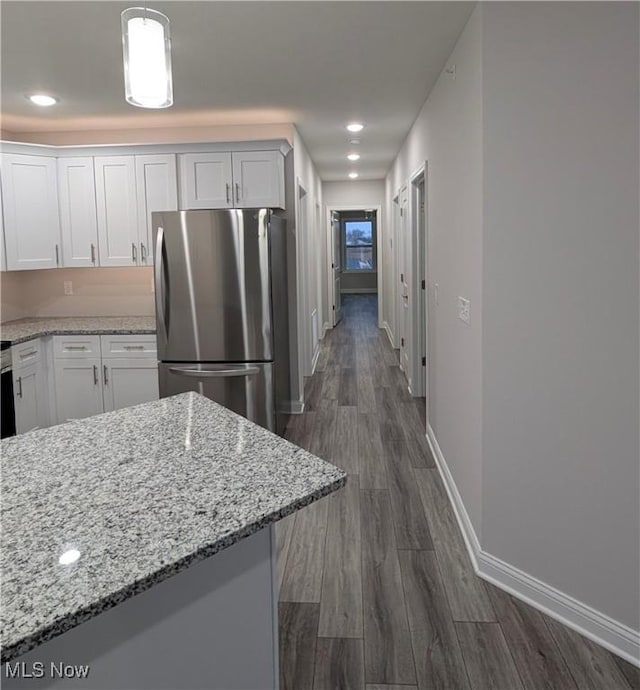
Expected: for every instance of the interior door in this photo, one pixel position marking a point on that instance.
(336, 264)
(405, 326)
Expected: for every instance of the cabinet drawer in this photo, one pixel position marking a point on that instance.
(130, 346)
(26, 353)
(76, 346)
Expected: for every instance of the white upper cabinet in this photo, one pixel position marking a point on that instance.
(117, 211)
(157, 190)
(246, 179)
(258, 179)
(78, 223)
(3, 253)
(30, 204)
(206, 180)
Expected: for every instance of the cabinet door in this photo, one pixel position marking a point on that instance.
(157, 190)
(205, 180)
(27, 391)
(117, 213)
(78, 223)
(78, 387)
(129, 382)
(258, 179)
(30, 201)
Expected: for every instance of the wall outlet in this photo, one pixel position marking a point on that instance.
(68, 287)
(464, 310)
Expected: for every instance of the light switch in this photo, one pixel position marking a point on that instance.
(436, 289)
(464, 310)
(68, 287)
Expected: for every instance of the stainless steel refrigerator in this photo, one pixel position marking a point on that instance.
(221, 308)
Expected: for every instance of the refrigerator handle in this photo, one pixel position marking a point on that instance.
(228, 371)
(159, 287)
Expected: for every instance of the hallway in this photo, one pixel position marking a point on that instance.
(376, 587)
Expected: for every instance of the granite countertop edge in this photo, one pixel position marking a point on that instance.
(82, 331)
(62, 625)
(41, 327)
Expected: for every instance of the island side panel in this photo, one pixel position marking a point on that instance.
(212, 626)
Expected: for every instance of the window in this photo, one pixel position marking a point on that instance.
(359, 245)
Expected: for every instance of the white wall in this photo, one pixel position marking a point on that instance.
(448, 134)
(96, 292)
(561, 456)
(365, 193)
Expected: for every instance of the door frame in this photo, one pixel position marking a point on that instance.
(329, 208)
(419, 234)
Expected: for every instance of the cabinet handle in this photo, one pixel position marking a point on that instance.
(26, 355)
(75, 348)
(93, 254)
(19, 386)
(143, 253)
(138, 348)
(227, 188)
(57, 255)
(95, 375)
(134, 253)
(105, 374)
(237, 191)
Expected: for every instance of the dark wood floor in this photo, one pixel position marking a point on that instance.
(377, 591)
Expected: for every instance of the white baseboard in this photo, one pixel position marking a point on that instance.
(316, 356)
(357, 291)
(387, 328)
(603, 630)
(293, 407)
(325, 327)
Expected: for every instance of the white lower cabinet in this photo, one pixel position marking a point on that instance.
(78, 388)
(30, 387)
(128, 382)
(87, 384)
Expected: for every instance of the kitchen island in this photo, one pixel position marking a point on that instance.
(140, 543)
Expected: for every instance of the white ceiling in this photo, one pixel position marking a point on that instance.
(316, 64)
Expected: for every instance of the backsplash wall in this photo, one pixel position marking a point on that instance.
(96, 292)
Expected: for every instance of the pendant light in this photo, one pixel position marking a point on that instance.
(146, 47)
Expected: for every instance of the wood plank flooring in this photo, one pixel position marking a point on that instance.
(377, 591)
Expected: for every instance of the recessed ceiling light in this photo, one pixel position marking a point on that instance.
(353, 156)
(355, 127)
(42, 99)
(353, 175)
(354, 142)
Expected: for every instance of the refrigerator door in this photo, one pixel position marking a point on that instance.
(247, 389)
(212, 286)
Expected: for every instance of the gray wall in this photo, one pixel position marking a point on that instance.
(533, 156)
(560, 404)
(448, 134)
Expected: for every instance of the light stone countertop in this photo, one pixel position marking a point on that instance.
(142, 493)
(22, 330)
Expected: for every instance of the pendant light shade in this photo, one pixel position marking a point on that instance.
(146, 46)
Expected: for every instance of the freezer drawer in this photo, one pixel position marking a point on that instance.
(247, 389)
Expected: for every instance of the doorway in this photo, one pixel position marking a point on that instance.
(353, 245)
